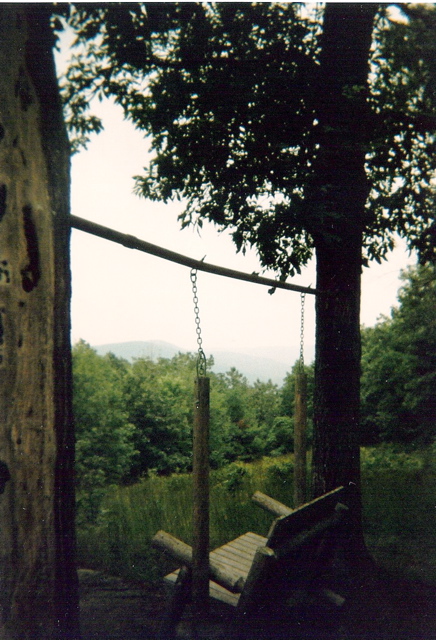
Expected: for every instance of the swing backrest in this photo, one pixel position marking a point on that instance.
(305, 518)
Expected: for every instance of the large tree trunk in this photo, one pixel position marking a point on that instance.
(337, 199)
(38, 581)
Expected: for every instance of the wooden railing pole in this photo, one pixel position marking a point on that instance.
(300, 422)
(200, 547)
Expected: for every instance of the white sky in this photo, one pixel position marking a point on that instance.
(122, 295)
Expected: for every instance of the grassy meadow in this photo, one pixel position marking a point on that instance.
(399, 494)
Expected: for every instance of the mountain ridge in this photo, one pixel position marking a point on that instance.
(254, 367)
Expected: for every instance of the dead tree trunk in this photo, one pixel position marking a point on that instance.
(38, 582)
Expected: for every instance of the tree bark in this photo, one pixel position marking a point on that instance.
(337, 196)
(38, 580)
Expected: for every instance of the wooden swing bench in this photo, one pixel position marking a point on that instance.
(254, 574)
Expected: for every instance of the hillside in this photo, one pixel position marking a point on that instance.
(259, 363)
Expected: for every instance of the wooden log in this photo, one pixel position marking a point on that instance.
(141, 245)
(200, 555)
(269, 504)
(300, 427)
(182, 552)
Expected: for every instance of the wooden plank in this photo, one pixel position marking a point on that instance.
(228, 559)
(249, 539)
(305, 517)
(237, 564)
(242, 546)
(235, 557)
(238, 554)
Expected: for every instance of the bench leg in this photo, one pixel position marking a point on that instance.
(179, 598)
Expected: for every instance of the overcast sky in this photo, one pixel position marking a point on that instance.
(122, 295)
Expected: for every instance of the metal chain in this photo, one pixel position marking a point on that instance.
(201, 358)
(302, 297)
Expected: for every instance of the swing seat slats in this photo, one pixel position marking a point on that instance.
(234, 557)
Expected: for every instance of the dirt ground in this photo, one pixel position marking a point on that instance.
(380, 607)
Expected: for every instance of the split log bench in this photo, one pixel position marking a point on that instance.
(256, 574)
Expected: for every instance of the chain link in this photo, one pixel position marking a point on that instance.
(201, 357)
(302, 297)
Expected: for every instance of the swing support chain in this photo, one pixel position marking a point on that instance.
(201, 357)
(302, 298)
(300, 422)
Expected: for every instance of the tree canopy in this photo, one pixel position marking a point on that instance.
(229, 94)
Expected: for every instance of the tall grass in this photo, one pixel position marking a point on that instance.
(399, 497)
(399, 513)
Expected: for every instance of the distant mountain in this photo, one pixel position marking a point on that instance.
(253, 367)
(153, 349)
(288, 355)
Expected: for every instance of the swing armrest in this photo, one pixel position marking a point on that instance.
(182, 552)
(269, 504)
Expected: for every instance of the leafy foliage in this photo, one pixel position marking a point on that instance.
(104, 436)
(228, 94)
(135, 419)
(399, 365)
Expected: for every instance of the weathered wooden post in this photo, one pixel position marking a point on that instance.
(200, 547)
(300, 421)
(38, 582)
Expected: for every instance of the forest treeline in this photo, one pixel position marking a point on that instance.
(135, 418)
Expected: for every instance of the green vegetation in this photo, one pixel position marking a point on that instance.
(399, 366)
(399, 495)
(135, 419)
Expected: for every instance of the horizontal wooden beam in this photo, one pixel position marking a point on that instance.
(131, 242)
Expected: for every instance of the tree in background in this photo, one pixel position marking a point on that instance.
(399, 366)
(266, 120)
(159, 399)
(105, 451)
